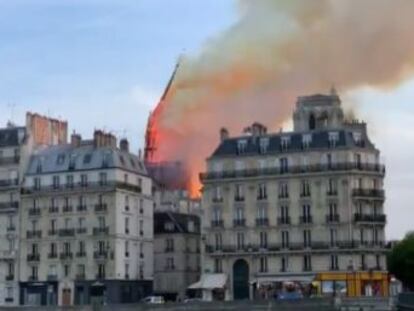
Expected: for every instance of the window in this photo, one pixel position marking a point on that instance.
(262, 212)
(263, 145)
(37, 183)
(307, 238)
(106, 159)
(307, 263)
(378, 262)
(239, 213)
(122, 160)
(329, 161)
(283, 164)
(241, 146)
(334, 262)
(239, 193)
(169, 245)
(87, 158)
(218, 265)
(333, 139)
(306, 141)
(53, 226)
(284, 215)
(263, 239)
(263, 264)
(72, 161)
(127, 248)
(126, 178)
(170, 263)
(284, 143)
(126, 225)
(141, 206)
(34, 273)
(357, 136)
(103, 178)
(69, 181)
(81, 222)
(141, 250)
(285, 239)
(126, 270)
(81, 247)
(60, 159)
(333, 235)
(56, 182)
(101, 222)
(363, 262)
(240, 240)
(306, 214)
(332, 186)
(217, 197)
(305, 189)
(81, 270)
(84, 180)
(284, 264)
(101, 271)
(126, 203)
(141, 227)
(358, 161)
(66, 247)
(169, 226)
(283, 190)
(218, 239)
(262, 192)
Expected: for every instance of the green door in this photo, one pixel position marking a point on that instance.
(241, 279)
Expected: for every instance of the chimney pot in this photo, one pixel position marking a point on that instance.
(75, 139)
(124, 145)
(224, 134)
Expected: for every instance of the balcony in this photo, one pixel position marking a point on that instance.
(283, 196)
(101, 231)
(67, 232)
(379, 218)
(33, 257)
(169, 249)
(239, 199)
(102, 207)
(100, 276)
(11, 229)
(332, 218)
(332, 193)
(81, 208)
(283, 220)
(305, 195)
(53, 209)
(52, 255)
(305, 219)
(10, 277)
(9, 206)
(81, 230)
(34, 212)
(81, 254)
(217, 200)
(369, 193)
(66, 256)
(101, 255)
(262, 198)
(239, 222)
(298, 169)
(52, 232)
(36, 234)
(262, 222)
(7, 183)
(52, 277)
(217, 224)
(67, 209)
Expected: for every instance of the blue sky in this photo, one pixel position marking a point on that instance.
(104, 64)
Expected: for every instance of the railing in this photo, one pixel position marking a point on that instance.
(6, 183)
(67, 232)
(100, 230)
(217, 223)
(332, 193)
(53, 209)
(298, 169)
(66, 256)
(11, 229)
(239, 222)
(217, 200)
(67, 209)
(9, 160)
(100, 255)
(33, 257)
(305, 219)
(332, 218)
(283, 220)
(52, 232)
(82, 186)
(81, 254)
(10, 277)
(9, 205)
(276, 247)
(37, 234)
(367, 193)
(33, 278)
(238, 199)
(80, 276)
(262, 221)
(34, 212)
(81, 230)
(81, 208)
(52, 255)
(102, 207)
(381, 218)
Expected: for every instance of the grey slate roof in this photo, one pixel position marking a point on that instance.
(320, 140)
(9, 137)
(179, 220)
(63, 158)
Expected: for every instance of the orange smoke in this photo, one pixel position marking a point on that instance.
(276, 51)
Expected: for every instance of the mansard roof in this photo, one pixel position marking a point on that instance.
(10, 137)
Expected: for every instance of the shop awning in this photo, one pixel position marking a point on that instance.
(284, 278)
(210, 281)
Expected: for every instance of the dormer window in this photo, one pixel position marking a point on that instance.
(87, 158)
(264, 144)
(72, 161)
(60, 159)
(39, 166)
(284, 143)
(357, 136)
(105, 160)
(306, 140)
(333, 139)
(241, 146)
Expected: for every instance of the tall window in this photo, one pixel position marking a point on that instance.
(103, 178)
(307, 263)
(333, 236)
(283, 190)
(334, 262)
(262, 192)
(56, 182)
(240, 240)
(284, 264)
(284, 143)
(126, 248)
(69, 181)
(307, 239)
(305, 188)
(332, 186)
(285, 239)
(284, 214)
(239, 193)
(283, 164)
(263, 239)
(218, 239)
(84, 180)
(263, 264)
(218, 265)
(263, 145)
(306, 214)
(126, 225)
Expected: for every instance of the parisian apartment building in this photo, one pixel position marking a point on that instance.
(305, 205)
(86, 219)
(177, 262)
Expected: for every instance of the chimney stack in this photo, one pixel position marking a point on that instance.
(224, 134)
(75, 139)
(124, 145)
(102, 139)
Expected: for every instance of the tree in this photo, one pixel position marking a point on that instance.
(401, 261)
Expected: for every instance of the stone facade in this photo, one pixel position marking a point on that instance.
(86, 217)
(293, 205)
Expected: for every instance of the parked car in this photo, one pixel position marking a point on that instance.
(154, 300)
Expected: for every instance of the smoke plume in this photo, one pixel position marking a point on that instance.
(277, 50)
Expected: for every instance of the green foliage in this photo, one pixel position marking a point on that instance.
(401, 261)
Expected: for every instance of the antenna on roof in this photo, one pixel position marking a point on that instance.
(11, 106)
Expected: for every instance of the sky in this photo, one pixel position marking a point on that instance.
(104, 64)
